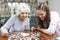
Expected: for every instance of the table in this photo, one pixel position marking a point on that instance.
(3, 38)
(47, 37)
(42, 37)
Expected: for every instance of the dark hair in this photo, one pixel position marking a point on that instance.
(44, 7)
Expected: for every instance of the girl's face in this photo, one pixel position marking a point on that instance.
(41, 14)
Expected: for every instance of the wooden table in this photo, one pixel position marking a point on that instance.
(47, 37)
(3, 38)
(42, 37)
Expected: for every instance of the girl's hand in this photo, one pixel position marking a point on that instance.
(38, 28)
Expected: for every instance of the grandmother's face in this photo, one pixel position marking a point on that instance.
(23, 15)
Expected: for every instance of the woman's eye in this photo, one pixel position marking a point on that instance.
(22, 13)
(26, 13)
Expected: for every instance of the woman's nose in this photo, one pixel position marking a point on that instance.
(25, 15)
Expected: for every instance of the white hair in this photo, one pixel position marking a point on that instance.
(22, 7)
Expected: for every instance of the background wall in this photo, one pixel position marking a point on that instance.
(53, 4)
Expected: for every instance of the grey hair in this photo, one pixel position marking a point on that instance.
(21, 7)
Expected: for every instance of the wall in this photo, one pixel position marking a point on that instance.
(54, 5)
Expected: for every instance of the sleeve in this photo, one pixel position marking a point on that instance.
(8, 24)
(53, 23)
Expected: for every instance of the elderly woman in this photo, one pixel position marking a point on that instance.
(19, 22)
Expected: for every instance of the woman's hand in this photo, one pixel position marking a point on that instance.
(33, 28)
(26, 28)
(4, 32)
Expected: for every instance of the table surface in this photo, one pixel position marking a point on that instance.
(47, 37)
(42, 37)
